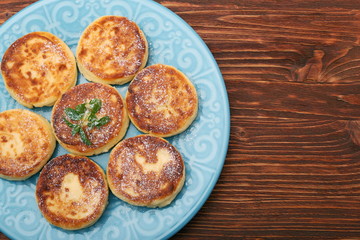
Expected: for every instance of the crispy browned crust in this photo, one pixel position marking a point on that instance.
(26, 143)
(112, 49)
(161, 101)
(151, 182)
(51, 195)
(37, 68)
(102, 138)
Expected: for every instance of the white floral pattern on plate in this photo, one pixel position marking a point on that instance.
(203, 145)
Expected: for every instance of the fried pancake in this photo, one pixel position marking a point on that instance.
(161, 101)
(26, 143)
(101, 138)
(145, 171)
(111, 50)
(72, 192)
(37, 68)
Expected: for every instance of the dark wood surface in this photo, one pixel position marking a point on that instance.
(292, 72)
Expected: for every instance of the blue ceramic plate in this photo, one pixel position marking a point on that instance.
(203, 145)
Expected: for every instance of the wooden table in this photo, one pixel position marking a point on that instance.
(292, 71)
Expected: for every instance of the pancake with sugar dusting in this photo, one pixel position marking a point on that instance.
(145, 171)
(26, 143)
(161, 101)
(37, 68)
(72, 192)
(103, 128)
(111, 50)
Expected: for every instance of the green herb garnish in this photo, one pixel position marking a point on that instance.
(85, 115)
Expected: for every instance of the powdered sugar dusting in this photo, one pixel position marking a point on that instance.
(145, 169)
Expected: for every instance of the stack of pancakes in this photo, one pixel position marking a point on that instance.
(39, 70)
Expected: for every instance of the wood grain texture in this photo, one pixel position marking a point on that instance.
(292, 71)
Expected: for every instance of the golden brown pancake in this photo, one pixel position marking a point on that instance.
(37, 68)
(145, 171)
(26, 143)
(111, 50)
(161, 101)
(101, 138)
(72, 192)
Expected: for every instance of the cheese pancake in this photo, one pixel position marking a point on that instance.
(26, 143)
(145, 171)
(89, 119)
(111, 50)
(72, 192)
(161, 101)
(37, 68)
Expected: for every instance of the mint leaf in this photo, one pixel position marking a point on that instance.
(103, 121)
(99, 122)
(91, 125)
(81, 108)
(92, 117)
(73, 114)
(75, 130)
(83, 137)
(95, 105)
(71, 125)
(85, 113)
